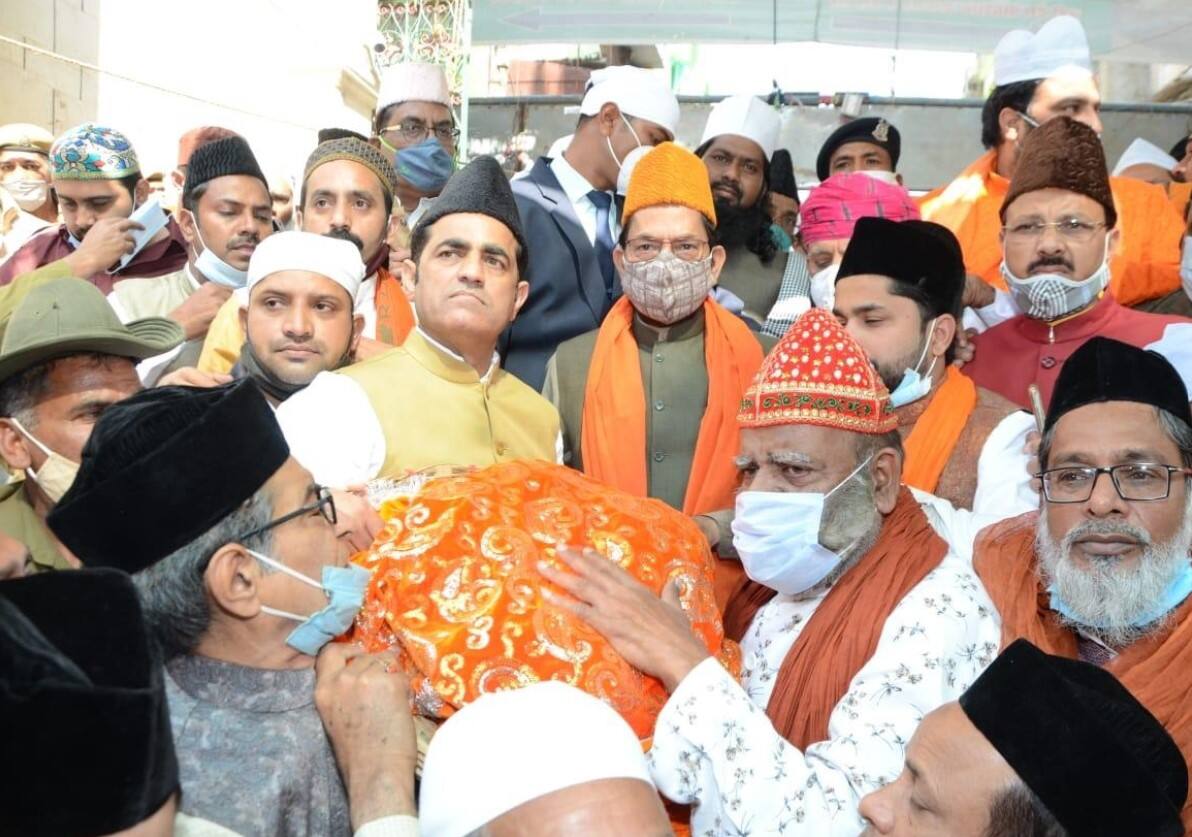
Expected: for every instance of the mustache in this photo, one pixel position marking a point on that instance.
(1051, 261)
(345, 234)
(1105, 527)
(727, 183)
(241, 240)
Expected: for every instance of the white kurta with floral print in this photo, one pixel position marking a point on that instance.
(715, 748)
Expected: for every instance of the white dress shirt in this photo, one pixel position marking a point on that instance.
(576, 187)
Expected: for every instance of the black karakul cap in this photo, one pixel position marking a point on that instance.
(83, 714)
(163, 467)
(920, 253)
(1108, 370)
(1094, 756)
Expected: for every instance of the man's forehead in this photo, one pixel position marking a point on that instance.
(292, 282)
(22, 154)
(415, 109)
(1070, 82)
(867, 289)
(339, 176)
(84, 189)
(1108, 426)
(1051, 201)
(859, 148)
(738, 146)
(659, 221)
(474, 227)
(242, 188)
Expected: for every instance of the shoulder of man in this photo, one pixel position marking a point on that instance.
(575, 353)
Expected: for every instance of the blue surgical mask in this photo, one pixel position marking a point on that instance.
(914, 385)
(781, 238)
(344, 587)
(425, 166)
(1179, 589)
(74, 243)
(214, 268)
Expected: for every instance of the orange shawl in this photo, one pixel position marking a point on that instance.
(613, 435)
(1146, 266)
(1157, 669)
(930, 444)
(843, 633)
(395, 316)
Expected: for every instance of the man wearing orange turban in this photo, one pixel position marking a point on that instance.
(856, 619)
(648, 401)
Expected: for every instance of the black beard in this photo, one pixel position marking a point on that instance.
(747, 227)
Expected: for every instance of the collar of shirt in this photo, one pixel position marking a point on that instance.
(240, 687)
(493, 364)
(574, 184)
(648, 335)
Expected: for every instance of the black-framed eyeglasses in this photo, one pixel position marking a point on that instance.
(324, 503)
(1141, 481)
(415, 130)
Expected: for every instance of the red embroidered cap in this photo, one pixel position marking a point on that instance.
(818, 374)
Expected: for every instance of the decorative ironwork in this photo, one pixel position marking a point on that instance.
(435, 31)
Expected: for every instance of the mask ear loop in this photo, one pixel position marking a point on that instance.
(277, 565)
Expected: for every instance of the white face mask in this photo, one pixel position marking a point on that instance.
(627, 165)
(823, 287)
(1049, 296)
(609, 142)
(56, 475)
(214, 268)
(30, 195)
(914, 385)
(890, 177)
(776, 534)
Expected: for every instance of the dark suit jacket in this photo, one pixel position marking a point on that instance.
(567, 293)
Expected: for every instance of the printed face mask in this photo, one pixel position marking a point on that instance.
(666, 289)
(1049, 297)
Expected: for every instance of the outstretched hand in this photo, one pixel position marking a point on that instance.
(652, 633)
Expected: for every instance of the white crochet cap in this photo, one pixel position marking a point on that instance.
(413, 82)
(1060, 43)
(335, 258)
(507, 748)
(637, 92)
(744, 116)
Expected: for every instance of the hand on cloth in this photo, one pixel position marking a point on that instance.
(364, 701)
(108, 240)
(196, 313)
(652, 633)
(977, 292)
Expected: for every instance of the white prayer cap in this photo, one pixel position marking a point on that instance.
(1023, 56)
(507, 748)
(413, 82)
(335, 258)
(745, 116)
(1141, 151)
(637, 92)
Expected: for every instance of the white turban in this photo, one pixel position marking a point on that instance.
(637, 92)
(1141, 151)
(1024, 56)
(335, 258)
(745, 116)
(507, 748)
(413, 82)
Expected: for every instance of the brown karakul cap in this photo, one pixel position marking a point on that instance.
(195, 137)
(1062, 154)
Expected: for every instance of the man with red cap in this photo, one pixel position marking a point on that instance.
(856, 620)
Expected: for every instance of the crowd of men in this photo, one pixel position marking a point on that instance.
(940, 449)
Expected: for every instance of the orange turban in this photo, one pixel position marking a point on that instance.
(834, 207)
(818, 374)
(456, 586)
(669, 175)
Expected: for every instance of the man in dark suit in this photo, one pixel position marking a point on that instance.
(569, 213)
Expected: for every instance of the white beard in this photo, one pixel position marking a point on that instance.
(1105, 597)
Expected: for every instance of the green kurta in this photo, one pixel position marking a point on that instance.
(675, 386)
(18, 520)
(754, 283)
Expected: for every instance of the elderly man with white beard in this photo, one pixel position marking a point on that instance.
(1102, 571)
(857, 617)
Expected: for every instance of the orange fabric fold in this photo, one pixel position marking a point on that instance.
(613, 435)
(1146, 265)
(844, 631)
(395, 315)
(1157, 669)
(930, 443)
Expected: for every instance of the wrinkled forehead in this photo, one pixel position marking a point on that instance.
(1110, 432)
(1053, 204)
(802, 444)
